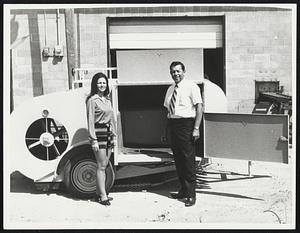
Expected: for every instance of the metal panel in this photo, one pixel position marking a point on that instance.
(163, 40)
(217, 28)
(145, 32)
(144, 128)
(246, 136)
(164, 21)
(153, 65)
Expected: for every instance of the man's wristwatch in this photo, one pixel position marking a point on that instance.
(196, 128)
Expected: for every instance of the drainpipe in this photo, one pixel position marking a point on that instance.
(71, 44)
(11, 84)
(45, 26)
(58, 26)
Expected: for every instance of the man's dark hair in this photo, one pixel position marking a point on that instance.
(175, 63)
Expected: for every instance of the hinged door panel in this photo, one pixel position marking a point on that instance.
(152, 66)
(246, 136)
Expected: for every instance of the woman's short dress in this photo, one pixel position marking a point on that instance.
(104, 135)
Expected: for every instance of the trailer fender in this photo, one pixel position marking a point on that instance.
(77, 169)
(83, 147)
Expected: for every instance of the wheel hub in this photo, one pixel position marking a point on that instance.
(84, 176)
(88, 176)
(46, 139)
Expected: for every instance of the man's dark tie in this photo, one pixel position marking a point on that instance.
(173, 100)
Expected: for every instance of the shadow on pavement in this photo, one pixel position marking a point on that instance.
(162, 184)
(229, 195)
(21, 184)
(204, 177)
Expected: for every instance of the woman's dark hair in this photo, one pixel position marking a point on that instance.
(175, 63)
(94, 87)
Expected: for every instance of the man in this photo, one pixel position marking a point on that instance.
(184, 103)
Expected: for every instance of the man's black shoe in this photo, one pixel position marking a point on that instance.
(190, 201)
(178, 195)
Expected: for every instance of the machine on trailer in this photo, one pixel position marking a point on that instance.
(49, 141)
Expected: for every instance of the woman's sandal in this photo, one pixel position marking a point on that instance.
(105, 202)
(97, 198)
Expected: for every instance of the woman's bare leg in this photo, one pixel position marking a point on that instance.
(102, 161)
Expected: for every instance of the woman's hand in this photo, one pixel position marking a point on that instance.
(95, 146)
(114, 139)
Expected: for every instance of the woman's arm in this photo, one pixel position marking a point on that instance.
(91, 123)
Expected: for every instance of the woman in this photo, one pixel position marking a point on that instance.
(101, 128)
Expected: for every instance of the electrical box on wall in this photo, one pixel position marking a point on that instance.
(58, 51)
(47, 52)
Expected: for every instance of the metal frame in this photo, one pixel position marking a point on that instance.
(79, 74)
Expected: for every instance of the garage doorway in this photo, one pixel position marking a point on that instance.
(138, 41)
(150, 33)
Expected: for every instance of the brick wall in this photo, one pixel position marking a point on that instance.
(258, 47)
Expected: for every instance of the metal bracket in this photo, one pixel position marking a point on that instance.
(283, 139)
(249, 168)
(79, 74)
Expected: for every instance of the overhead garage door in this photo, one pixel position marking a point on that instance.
(164, 33)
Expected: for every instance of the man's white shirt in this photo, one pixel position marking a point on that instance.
(188, 95)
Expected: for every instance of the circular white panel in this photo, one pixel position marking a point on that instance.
(67, 110)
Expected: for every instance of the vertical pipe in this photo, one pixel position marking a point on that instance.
(224, 86)
(71, 44)
(11, 84)
(45, 26)
(36, 62)
(58, 26)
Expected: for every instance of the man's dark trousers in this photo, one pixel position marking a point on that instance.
(184, 153)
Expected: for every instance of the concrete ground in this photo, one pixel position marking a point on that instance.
(226, 198)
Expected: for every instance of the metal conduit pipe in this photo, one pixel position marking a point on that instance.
(58, 26)
(45, 26)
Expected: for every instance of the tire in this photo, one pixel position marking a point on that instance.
(80, 175)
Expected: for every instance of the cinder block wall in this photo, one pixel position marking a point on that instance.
(33, 74)
(258, 47)
(92, 38)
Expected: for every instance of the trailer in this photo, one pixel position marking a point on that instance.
(48, 140)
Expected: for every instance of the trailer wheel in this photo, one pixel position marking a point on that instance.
(80, 176)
